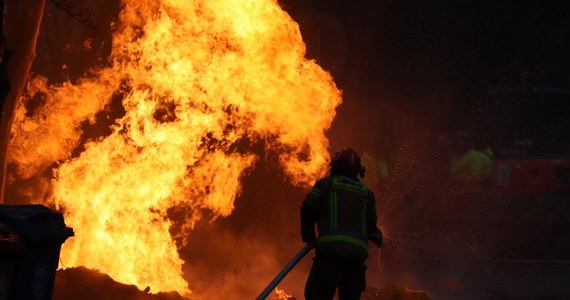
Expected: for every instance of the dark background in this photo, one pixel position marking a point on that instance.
(435, 59)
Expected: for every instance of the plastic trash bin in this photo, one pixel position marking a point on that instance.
(10, 247)
(42, 232)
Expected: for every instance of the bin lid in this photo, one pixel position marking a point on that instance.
(35, 223)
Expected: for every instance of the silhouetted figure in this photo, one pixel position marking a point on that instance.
(470, 168)
(344, 210)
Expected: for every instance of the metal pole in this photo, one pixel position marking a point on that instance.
(285, 270)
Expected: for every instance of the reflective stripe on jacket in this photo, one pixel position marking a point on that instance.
(345, 212)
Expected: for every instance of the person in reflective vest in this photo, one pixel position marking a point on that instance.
(378, 171)
(473, 166)
(344, 211)
(470, 168)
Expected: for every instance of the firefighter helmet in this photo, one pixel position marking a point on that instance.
(347, 160)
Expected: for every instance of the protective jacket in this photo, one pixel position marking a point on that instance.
(344, 210)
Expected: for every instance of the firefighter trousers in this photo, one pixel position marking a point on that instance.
(331, 272)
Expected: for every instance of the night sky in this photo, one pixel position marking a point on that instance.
(422, 45)
(437, 57)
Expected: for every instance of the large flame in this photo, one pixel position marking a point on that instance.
(201, 83)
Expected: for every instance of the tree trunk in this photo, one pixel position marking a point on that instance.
(21, 22)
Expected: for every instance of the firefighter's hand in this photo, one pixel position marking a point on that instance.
(308, 235)
(377, 238)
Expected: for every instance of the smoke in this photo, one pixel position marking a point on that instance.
(230, 265)
(239, 255)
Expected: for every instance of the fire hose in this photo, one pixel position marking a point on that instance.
(288, 267)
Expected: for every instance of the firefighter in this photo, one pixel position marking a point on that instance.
(344, 210)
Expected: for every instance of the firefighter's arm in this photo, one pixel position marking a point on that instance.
(374, 233)
(377, 237)
(309, 214)
(308, 220)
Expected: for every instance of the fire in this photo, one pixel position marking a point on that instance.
(201, 82)
(282, 294)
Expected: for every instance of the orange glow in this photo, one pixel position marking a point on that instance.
(200, 81)
(282, 294)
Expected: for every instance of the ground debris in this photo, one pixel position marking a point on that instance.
(394, 292)
(87, 284)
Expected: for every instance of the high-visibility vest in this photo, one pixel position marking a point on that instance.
(472, 166)
(377, 170)
(346, 214)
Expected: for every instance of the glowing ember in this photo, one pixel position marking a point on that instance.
(200, 83)
(282, 294)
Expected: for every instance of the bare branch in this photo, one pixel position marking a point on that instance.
(83, 17)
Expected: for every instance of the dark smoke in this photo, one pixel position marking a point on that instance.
(239, 255)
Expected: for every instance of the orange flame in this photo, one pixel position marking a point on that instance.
(282, 294)
(200, 81)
